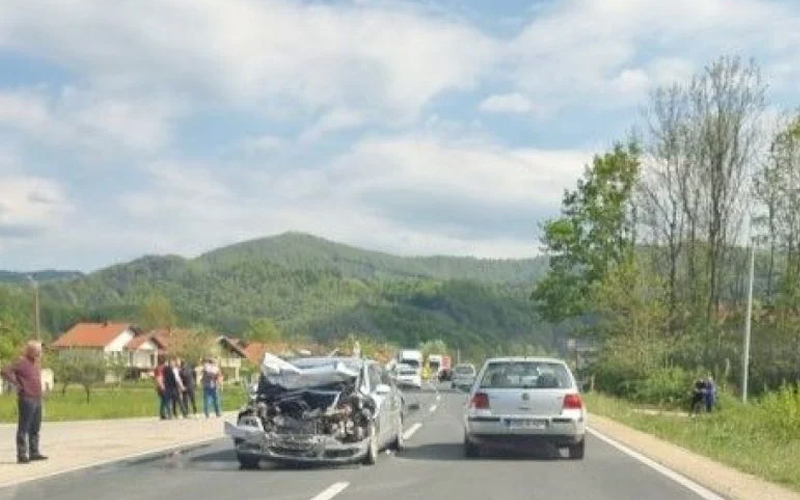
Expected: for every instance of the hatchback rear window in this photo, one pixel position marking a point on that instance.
(526, 375)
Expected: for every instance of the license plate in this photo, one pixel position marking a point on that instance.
(524, 423)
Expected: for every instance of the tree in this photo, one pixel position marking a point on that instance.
(83, 367)
(596, 230)
(263, 330)
(156, 312)
(436, 346)
(191, 345)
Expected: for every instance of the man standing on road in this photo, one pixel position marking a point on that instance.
(26, 375)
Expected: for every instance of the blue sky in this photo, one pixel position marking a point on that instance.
(411, 126)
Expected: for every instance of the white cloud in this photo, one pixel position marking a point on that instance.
(264, 143)
(506, 103)
(408, 194)
(607, 54)
(86, 119)
(385, 58)
(335, 120)
(30, 205)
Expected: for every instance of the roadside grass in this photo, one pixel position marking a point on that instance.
(129, 401)
(761, 438)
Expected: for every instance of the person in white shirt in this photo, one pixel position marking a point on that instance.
(211, 380)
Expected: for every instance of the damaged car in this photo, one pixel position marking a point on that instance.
(319, 410)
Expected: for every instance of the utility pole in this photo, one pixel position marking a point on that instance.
(36, 322)
(746, 353)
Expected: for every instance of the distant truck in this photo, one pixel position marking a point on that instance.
(409, 368)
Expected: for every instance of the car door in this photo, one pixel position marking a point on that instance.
(395, 401)
(382, 402)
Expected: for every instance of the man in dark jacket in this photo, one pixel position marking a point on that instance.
(173, 386)
(189, 379)
(26, 375)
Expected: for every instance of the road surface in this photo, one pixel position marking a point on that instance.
(432, 466)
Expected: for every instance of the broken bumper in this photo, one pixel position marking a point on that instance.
(293, 448)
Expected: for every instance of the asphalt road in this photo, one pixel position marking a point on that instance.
(432, 466)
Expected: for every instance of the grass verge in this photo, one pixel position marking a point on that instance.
(762, 438)
(108, 403)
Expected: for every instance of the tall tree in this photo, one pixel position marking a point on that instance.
(594, 232)
(156, 312)
(263, 330)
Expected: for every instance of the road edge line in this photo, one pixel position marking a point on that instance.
(331, 491)
(694, 486)
(152, 454)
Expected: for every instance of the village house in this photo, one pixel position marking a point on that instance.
(140, 352)
(119, 342)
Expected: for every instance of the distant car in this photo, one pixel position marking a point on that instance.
(463, 376)
(320, 410)
(408, 376)
(525, 402)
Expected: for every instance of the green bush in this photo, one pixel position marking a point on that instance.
(664, 387)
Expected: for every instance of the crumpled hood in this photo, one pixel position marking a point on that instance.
(288, 376)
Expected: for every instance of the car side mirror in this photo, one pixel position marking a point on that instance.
(382, 389)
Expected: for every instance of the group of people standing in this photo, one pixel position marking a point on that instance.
(176, 385)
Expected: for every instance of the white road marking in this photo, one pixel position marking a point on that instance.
(332, 491)
(698, 489)
(438, 397)
(411, 430)
(433, 408)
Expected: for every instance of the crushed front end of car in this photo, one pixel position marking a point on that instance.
(305, 416)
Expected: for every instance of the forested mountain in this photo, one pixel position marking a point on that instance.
(313, 287)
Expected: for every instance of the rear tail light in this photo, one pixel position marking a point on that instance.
(480, 401)
(573, 402)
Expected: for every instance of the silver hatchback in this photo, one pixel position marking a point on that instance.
(523, 402)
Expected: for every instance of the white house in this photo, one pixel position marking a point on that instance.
(119, 342)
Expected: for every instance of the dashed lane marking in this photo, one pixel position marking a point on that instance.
(411, 431)
(332, 491)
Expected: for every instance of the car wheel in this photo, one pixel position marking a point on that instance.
(248, 462)
(576, 451)
(471, 449)
(372, 451)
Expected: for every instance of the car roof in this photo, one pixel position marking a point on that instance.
(537, 359)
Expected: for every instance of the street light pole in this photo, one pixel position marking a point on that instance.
(35, 306)
(748, 318)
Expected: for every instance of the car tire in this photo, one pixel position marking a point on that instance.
(248, 462)
(372, 450)
(576, 451)
(471, 450)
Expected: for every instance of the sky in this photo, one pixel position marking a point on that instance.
(415, 127)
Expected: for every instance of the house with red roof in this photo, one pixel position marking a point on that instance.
(118, 342)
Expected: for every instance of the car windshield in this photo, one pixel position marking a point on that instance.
(526, 374)
(411, 362)
(464, 370)
(407, 371)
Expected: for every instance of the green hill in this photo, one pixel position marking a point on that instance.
(311, 286)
